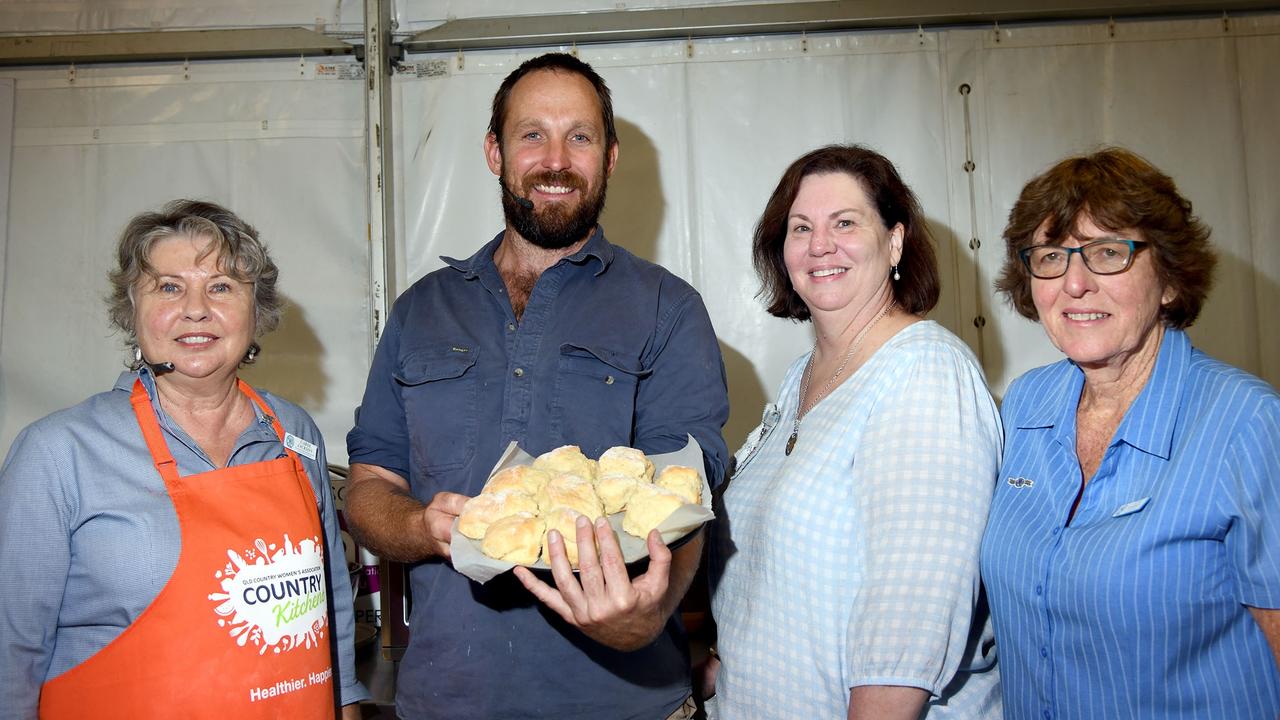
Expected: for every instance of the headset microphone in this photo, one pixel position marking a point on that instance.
(525, 203)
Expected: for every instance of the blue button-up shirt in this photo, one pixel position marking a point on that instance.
(1137, 608)
(611, 350)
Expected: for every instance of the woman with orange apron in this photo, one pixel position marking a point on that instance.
(189, 651)
(170, 548)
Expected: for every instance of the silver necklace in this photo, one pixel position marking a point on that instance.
(801, 410)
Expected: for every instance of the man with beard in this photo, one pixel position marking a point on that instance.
(548, 336)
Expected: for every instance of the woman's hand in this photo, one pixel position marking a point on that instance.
(704, 676)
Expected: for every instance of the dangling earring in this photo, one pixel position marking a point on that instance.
(137, 356)
(253, 353)
(896, 276)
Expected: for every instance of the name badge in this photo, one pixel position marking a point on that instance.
(300, 446)
(1130, 508)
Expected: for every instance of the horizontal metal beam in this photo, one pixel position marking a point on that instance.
(173, 45)
(761, 19)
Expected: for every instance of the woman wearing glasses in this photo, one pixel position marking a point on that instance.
(1132, 557)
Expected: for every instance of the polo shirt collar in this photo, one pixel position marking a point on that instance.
(596, 247)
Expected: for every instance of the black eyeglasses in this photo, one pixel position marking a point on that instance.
(1107, 256)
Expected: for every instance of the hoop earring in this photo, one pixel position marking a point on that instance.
(896, 276)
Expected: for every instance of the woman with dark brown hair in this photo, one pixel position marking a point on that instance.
(1131, 557)
(844, 575)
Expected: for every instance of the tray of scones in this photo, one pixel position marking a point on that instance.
(525, 497)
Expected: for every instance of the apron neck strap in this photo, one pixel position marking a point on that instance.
(151, 432)
(150, 426)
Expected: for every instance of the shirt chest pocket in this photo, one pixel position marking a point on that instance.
(594, 402)
(439, 387)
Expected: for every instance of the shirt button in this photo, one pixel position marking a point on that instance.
(1044, 652)
(1039, 589)
(608, 380)
(1047, 715)
(518, 372)
(511, 327)
(1055, 531)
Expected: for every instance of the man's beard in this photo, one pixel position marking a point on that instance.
(556, 226)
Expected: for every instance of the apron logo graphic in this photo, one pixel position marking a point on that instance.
(273, 596)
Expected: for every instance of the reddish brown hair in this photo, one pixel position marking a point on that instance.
(917, 292)
(1118, 190)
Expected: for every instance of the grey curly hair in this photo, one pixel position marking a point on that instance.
(234, 243)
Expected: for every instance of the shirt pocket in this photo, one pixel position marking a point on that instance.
(595, 397)
(439, 390)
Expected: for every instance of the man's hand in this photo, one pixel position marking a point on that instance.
(386, 518)
(603, 602)
(438, 517)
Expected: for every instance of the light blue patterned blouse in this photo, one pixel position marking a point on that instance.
(854, 561)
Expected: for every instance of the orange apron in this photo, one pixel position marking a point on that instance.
(241, 629)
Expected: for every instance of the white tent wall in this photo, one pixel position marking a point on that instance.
(273, 140)
(706, 132)
(342, 16)
(705, 136)
(6, 160)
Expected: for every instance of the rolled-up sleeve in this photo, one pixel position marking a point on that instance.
(930, 453)
(381, 435)
(37, 507)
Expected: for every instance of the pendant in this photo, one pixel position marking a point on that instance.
(791, 442)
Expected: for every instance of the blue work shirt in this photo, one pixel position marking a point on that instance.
(611, 350)
(1137, 608)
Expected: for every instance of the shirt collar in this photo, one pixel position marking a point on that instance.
(596, 247)
(1148, 423)
(262, 422)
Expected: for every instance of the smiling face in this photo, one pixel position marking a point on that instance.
(1101, 320)
(192, 314)
(837, 250)
(554, 152)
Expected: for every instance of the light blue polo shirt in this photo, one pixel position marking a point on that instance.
(1138, 608)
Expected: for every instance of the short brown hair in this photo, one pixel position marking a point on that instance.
(1118, 190)
(558, 62)
(233, 242)
(917, 292)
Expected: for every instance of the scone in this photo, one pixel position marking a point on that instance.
(648, 507)
(484, 509)
(615, 490)
(563, 519)
(566, 459)
(525, 478)
(566, 490)
(683, 481)
(515, 538)
(626, 461)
